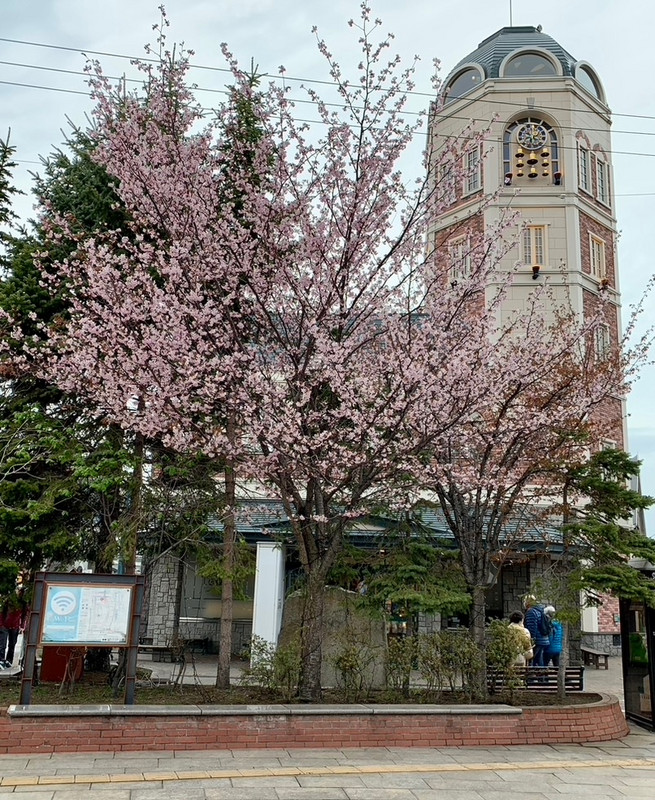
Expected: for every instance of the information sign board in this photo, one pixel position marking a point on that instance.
(86, 615)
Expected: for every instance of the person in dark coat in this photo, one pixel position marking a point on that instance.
(539, 626)
(12, 621)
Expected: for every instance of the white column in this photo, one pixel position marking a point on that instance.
(269, 592)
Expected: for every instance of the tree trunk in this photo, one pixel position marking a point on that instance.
(227, 585)
(563, 662)
(478, 631)
(564, 655)
(131, 535)
(312, 638)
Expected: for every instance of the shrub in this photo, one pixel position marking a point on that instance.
(352, 664)
(401, 657)
(274, 669)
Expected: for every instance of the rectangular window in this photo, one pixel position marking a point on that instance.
(602, 342)
(472, 171)
(583, 169)
(534, 245)
(602, 182)
(597, 257)
(459, 252)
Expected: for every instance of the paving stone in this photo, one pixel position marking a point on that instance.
(437, 794)
(384, 794)
(26, 795)
(173, 791)
(395, 781)
(236, 793)
(72, 794)
(331, 781)
(309, 793)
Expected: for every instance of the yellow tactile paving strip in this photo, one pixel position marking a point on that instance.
(235, 774)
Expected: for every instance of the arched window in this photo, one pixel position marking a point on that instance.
(586, 78)
(463, 84)
(530, 152)
(529, 65)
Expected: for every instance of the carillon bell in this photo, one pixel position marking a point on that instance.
(532, 159)
(533, 172)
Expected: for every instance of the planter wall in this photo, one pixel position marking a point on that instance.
(58, 729)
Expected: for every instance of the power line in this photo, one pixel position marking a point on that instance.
(320, 121)
(283, 77)
(459, 116)
(81, 73)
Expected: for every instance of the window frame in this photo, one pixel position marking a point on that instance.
(472, 181)
(597, 257)
(584, 168)
(459, 264)
(533, 261)
(602, 342)
(602, 168)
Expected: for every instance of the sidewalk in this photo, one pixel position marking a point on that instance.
(624, 769)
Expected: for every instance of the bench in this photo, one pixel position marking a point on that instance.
(595, 658)
(538, 679)
(161, 652)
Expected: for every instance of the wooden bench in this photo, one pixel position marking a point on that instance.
(595, 658)
(538, 679)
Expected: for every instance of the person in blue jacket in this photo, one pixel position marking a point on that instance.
(539, 626)
(554, 649)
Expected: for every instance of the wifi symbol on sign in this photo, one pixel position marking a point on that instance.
(63, 603)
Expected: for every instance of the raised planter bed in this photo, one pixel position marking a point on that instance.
(58, 729)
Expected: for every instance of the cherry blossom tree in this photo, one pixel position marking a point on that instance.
(272, 301)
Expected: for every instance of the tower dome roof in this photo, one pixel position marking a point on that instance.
(490, 53)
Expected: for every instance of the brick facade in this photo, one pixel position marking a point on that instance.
(214, 728)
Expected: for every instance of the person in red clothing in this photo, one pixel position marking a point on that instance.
(12, 622)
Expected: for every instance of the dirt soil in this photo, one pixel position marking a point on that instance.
(93, 689)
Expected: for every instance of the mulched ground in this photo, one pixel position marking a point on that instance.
(93, 688)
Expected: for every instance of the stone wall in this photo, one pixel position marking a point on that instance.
(164, 577)
(606, 642)
(344, 626)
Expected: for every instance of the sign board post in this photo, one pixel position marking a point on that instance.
(84, 610)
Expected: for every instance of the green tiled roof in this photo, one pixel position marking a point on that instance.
(265, 519)
(491, 52)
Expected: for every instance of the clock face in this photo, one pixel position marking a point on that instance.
(532, 136)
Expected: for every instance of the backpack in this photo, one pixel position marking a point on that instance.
(545, 626)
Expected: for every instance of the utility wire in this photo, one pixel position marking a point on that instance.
(282, 77)
(208, 111)
(295, 100)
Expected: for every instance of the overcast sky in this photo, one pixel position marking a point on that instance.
(616, 38)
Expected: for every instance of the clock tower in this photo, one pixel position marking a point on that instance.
(544, 162)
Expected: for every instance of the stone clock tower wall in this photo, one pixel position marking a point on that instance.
(545, 157)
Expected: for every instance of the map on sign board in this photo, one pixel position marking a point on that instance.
(92, 615)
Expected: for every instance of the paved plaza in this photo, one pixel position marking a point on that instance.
(619, 769)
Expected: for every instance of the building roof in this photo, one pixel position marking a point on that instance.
(265, 520)
(491, 52)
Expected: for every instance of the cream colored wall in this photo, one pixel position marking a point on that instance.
(569, 108)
